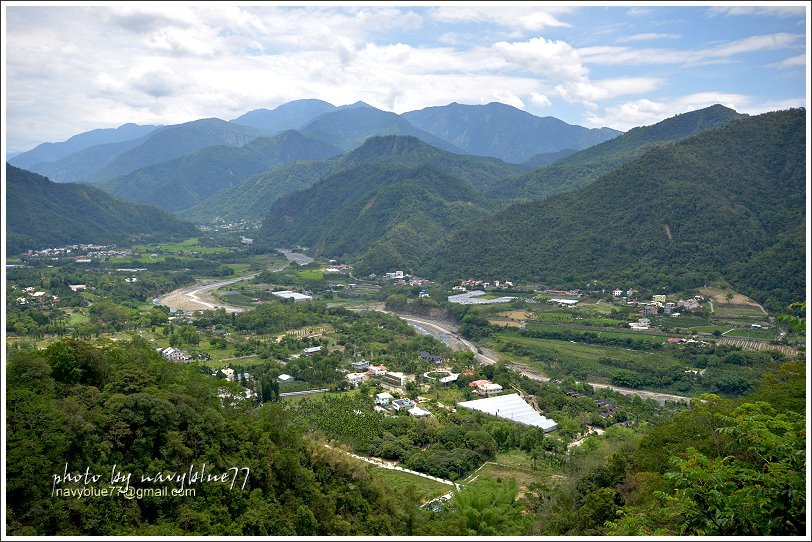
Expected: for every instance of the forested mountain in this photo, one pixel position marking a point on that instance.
(50, 152)
(727, 202)
(588, 165)
(183, 182)
(502, 131)
(350, 126)
(386, 213)
(43, 214)
(175, 141)
(288, 116)
(124, 405)
(546, 158)
(78, 166)
(253, 197)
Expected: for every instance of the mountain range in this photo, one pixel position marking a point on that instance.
(181, 183)
(583, 168)
(503, 131)
(41, 214)
(102, 155)
(474, 191)
(727, 202)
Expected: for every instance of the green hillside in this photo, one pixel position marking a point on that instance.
(253, 197)
(384, 213)
(181, 183)
(586, 166)
(727, 203)
(42, 214)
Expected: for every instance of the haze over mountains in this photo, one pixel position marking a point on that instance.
(346, 127)
(438, 190)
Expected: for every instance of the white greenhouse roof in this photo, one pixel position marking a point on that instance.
(511, 407)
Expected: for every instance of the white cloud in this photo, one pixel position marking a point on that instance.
(648, 37)
(612, 55)
(791, 62)
(551, 59)
(526, 19)
(540, 99)
(769, 11)
(636, 12)
(645, 112)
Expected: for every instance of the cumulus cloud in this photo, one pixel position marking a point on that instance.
(644, 112)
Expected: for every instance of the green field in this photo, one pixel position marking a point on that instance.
(403, 483)
(77, 318)
(726, 311)
(311, 274)
(597, 363)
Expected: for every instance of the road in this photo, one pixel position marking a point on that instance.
(445, 330)
(198, 297)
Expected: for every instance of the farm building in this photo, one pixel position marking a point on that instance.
(512, 408)
(295, 296)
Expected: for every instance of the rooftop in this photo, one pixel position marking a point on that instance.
(511, 407)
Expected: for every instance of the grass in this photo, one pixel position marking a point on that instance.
(403, 483)
(517, 465)
(77, 318)
(311, 274)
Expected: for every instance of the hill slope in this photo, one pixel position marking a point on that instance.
(175, 141)
(728, 202)
(502, 131)
(586, 166)
(79, 165)
(183, 182)
(252, 198)
(45, 214)
(288, 116)
(50, 152)
(388, 212)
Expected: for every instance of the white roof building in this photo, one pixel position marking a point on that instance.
(512, 408)
(295, 296)
(285, 378)
(418, 412)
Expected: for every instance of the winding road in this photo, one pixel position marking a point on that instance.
(444, 330)
(198, 297)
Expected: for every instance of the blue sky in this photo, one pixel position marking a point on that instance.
(69, 69)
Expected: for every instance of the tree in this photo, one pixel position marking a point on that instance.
(758, 488)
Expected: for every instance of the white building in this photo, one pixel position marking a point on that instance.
(383, 398)
(513, 408)
(295, 296)
(356, 378)
(418, 412)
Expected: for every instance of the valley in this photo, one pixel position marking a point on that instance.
(355, 302)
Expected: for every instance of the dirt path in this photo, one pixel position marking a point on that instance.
(199, 297)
